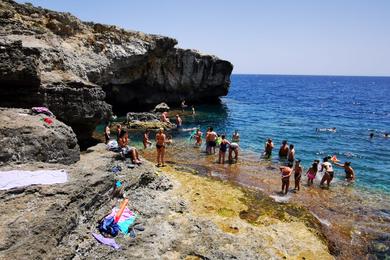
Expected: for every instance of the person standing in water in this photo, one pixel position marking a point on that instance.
(212, 137)
(286, 173)
(269, 145)
(222, 149)
(146, 140)
(311, 173)
(291, 156)
(233, 148)
(178, 121)
(349, 172)
(107, 133)
(283, 151)
(160, 146)
(298, 169)
(198, 137)
(236, 137)
(329, 173)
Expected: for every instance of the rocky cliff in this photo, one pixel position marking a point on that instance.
(80, 70)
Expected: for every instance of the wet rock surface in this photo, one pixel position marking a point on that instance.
(25, 137)
(181, 214)
(78, 69)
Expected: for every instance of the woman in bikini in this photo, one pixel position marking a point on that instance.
(160, 146)
(222, 149)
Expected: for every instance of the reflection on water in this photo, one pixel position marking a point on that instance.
(356, 222)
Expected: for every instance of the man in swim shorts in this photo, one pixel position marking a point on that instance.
(298, 169)
(212, 137)
(286, 173)
(160, 146)
(291, 156)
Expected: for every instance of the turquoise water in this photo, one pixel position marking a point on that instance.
(292, 107)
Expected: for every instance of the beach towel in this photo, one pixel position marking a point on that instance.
(19, 178)
(106, 241)
(126, 220)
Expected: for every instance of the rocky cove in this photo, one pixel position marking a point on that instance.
(83, 72)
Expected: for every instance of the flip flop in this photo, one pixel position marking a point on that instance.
(130, 165)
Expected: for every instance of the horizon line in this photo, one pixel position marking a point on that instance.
(310, 75)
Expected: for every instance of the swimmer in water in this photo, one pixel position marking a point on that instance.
(333, 129)
(183, 105)
(269, 145)
(386, 135)
(371, 135)
(222, 149)
(298, 169)
(329, 173)
(311, 173)
(349, 172)
(193, 110)
(286, 173)
(236, 137)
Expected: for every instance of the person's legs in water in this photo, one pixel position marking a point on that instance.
(324, 178)
(287, 185)
(223, 157)
(230, 157)
(219, 157)
(330, 178)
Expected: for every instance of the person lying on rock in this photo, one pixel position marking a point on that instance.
(123, 142)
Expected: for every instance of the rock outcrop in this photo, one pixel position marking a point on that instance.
(25, 138)
(77, 69)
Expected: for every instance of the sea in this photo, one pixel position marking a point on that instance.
(303, 110)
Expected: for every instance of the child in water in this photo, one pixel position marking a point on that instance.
(222, 149)
(286, 173)
(298, 169)
(312, 172)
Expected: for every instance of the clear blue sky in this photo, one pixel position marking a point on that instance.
(332, 37)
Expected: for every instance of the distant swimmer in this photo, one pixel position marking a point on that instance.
(286, 173)
(236, 137)
(333, 129)
(268, 147)
(283, 151)
(298, 169)
(349, 172)
(233, 148)
(329, 173)
(371, 135)
(386, 135)
(222, 149)
(291, 156)
(311, 173)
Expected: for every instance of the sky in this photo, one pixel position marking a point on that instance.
(302, 37)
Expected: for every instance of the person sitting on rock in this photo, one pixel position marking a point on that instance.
(123, 142)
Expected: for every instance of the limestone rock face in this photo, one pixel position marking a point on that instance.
(79, 69)
(25, 137)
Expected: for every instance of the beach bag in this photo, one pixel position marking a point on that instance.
(107, 226)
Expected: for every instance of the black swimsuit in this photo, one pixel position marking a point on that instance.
(223, 147)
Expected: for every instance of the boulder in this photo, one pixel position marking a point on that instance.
(25, 137)
(162, 107)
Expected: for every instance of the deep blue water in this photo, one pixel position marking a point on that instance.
(292, 107)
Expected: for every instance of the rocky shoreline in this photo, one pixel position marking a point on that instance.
(185, 216)
(82, 71)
